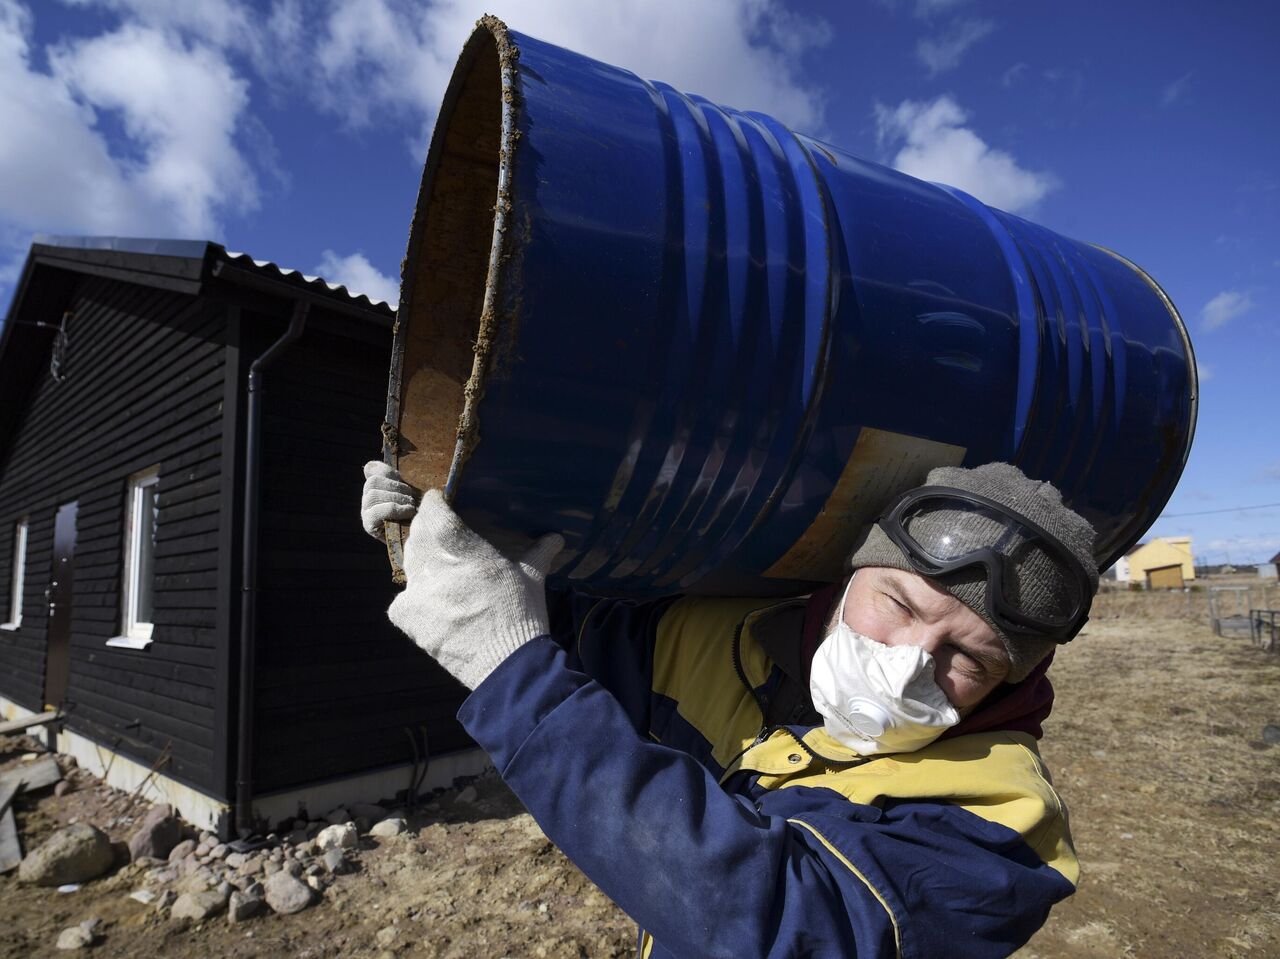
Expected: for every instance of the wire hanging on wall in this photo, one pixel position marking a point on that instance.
(61, 344)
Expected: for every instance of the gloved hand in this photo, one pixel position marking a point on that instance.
(464, 603)
(386, 498)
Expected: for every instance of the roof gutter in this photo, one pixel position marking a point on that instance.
(249, 568)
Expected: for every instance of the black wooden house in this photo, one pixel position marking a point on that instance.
(246, 668)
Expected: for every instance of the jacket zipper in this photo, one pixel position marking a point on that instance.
(766, 730)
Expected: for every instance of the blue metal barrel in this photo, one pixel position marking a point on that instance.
(708, 350)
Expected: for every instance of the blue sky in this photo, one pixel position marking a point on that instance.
(295, 130)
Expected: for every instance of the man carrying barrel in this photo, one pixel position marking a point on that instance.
(852, 773)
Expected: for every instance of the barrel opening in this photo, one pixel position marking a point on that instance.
(446, 282)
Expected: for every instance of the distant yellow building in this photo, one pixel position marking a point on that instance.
(1165, 562)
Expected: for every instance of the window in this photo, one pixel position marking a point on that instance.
(17, 574)
(140, 507)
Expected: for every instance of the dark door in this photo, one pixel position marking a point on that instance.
(57, 661)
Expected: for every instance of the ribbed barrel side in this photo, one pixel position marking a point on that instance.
(745, 281)
(1113, 408)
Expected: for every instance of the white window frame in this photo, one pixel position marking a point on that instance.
(18, 574)
(134, 633)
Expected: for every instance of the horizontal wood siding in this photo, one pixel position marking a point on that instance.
(336, 683)
(144, 386)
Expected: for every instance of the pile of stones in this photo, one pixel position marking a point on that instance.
(202, 877)
(196, 877)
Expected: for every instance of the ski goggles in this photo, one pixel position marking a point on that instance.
(942, 530)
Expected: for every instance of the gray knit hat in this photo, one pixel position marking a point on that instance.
(1039, 502)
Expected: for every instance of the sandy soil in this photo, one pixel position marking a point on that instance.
(1155, 742)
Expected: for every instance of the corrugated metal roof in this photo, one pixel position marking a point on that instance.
(315, 282)
(208, 259)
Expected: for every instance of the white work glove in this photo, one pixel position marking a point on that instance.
(386, 498)
(464, 603)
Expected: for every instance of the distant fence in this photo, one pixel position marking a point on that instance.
(1264, 629)
(1249, 610)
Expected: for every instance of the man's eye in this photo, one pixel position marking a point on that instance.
(967, 662)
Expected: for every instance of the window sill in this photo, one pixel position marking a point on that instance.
(129, 642)
(10, 626)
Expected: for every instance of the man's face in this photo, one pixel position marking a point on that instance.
(900, 608)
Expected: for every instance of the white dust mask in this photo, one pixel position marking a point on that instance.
(877, 698)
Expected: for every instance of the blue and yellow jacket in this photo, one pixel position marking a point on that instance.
(663, 748)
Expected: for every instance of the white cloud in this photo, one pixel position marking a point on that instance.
(1247, 549)
(180, 107)
(222, 23)
(927, 8)
(387, 57)
(1174, 91)
(1204, 372)
(368, 61)
(944, 51)
(1224, 308)
(358, 275)
(175, 170)
(1013, 74)
(936, 145)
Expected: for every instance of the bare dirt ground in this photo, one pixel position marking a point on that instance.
(1156, 742)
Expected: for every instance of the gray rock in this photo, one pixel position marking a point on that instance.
(242, 906)
(297, 837)
(467, 795)
(224, 888)
(198, 905)
(219, 851)
(337, 817)
(271, 867)
(338, 837)
(73, 854)
(287, 895)
(336, 862)
(293, 868)
(235, 860)
(63, 787)
(159, 831)
(163, 876)
(1271, 734)
(182, 850)
(75, 937)
(388, 828)
(367, 810)
(167, 898)
(255, 889)
(199, 880)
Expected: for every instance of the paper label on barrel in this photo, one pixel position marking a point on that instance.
(882, 465)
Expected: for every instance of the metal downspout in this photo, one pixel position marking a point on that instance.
(249, 570)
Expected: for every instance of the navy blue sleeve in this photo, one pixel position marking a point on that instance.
(712, 874)
(612, 641)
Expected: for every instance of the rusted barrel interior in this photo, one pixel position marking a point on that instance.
(445, 282)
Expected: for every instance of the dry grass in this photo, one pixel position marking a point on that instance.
(1156, 744)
